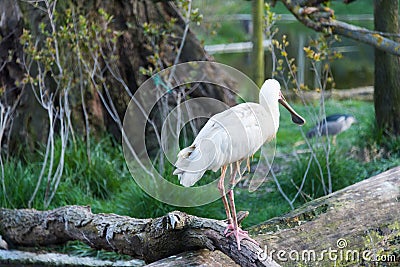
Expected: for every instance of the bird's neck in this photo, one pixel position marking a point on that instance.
(272, 108)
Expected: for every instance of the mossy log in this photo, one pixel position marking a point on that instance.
(362, 217)
(148, 239)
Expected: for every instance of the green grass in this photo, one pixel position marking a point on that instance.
(344, 169)
(289, 133)
(82, 182)
(360, 152)
(107, 177)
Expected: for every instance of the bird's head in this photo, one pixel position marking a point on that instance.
(271, 92)
(351, 119)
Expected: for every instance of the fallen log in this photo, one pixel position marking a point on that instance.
(27, 258)
(360, 94)
(148, 239)
(361, 218)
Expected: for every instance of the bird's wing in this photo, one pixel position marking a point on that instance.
(237, 133)
(332, 124)
(227, 137)
(335, 117)
(204, 154)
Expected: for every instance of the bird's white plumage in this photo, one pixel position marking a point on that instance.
(232, 135)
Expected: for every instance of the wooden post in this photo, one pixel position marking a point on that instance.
(258, 36)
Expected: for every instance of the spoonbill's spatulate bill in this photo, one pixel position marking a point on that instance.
(230, 137)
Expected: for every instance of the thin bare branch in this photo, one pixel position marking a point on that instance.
(321, 20)
(364, 35)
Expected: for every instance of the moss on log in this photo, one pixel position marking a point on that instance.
(362, 217)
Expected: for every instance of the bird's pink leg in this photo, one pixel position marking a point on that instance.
(221, 189)
(236, 231)
(240, 174)
(230, 226)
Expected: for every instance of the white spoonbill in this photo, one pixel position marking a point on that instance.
(231, 137)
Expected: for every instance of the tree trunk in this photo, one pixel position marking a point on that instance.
(387, 70)
(23, 124)
(29, 123)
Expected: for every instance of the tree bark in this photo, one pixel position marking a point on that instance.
(148, 239)
(202, 257)
(28, 126)
(387, 70)
(366, 215)
(23, 124)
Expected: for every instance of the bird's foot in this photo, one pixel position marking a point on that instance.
(229, 227)
(239, 234)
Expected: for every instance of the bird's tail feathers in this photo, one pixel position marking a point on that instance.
(189, 178)
(191, 165)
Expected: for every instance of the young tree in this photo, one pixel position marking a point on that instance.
(387, 69)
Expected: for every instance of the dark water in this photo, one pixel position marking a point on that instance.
(355, 69)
